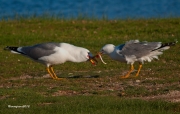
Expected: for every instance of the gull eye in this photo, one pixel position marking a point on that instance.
(89, 55)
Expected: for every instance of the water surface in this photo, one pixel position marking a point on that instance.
(111, 9)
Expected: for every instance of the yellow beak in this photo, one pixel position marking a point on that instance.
(93, 60)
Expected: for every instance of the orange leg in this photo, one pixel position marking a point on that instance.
(127, 75)
(49, 71)
(54, 75)
(140, 66)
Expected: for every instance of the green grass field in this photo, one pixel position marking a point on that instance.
(88, 89)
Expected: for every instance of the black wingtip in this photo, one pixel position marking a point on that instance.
(6, 48)
(11, 48)
(170, 43)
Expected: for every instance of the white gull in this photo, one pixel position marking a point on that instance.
(133, 51)
(54, 53)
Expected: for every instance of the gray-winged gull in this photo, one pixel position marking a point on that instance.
(54, 53)
(133, 51)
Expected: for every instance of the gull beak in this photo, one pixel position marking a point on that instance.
(93, 60)
(100, 53)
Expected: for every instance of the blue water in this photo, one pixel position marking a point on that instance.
(111, 9)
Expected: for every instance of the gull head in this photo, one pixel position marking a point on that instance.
(107, 49)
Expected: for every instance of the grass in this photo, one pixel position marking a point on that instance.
(87, 105)
(87, 88)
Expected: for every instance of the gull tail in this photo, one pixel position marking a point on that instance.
(13, 49)
(165, 46)
(169, 44)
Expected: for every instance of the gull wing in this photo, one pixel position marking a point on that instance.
(139, 49)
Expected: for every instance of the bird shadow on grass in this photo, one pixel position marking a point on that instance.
(81, 76)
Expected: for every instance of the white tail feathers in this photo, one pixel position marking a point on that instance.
(15, 52)
(163, 48)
